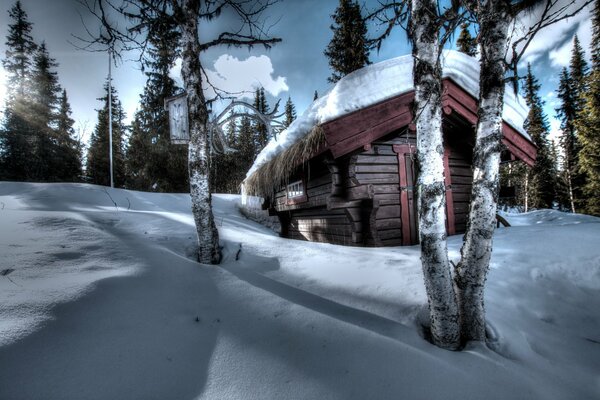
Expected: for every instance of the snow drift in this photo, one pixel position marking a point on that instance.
(105, 301)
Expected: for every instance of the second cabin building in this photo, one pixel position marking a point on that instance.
(345, 171)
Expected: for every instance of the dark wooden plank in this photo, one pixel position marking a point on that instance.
(350, 143)
(385, 212)
(390, 223)
(450, 227)
(366, 118)
(461, 170)
(376, 159)
(390, 234)
(377, 178)
(376, 168)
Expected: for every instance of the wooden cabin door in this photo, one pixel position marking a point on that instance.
(450, 221)
(408, 197)
(408, 204)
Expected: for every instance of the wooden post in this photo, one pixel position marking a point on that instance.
(450, 221)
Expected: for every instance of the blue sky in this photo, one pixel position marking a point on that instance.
(296, 67)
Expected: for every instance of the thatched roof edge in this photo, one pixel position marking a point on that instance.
(270, 176)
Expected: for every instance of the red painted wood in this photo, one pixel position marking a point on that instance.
(450, 221)
(361, 127)
(366, 118)
(356, 141)
(518, 145)
(405, 210)
(465, 112)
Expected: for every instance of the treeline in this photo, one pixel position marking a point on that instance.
(566, 173)
(38, 141)
(37, 138)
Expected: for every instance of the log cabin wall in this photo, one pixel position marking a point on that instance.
(357, 199)
(377, 166)
(311, 218)
(459, 140)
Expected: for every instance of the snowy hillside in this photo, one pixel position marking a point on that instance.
(104, 301)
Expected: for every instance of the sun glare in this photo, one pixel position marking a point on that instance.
(2, 86)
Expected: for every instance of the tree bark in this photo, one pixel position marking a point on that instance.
(424, 31)
(471, 271)
(199, 156)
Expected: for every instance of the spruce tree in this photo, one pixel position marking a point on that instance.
(348, 49)
(98, 164)
(543, 174)
(225, 172)
(466, 43)
(44, 105)
(68, 147)
(316, 95)
(588, 126)
(153, 162)
(246, 145)
(290, 112)
(567, 113)
(260, 130)
(17, 134)
(578, 70)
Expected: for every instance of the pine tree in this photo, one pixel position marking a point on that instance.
(68, 147)
(578, 70)
(98, 164)
(543, 174)
(45, 89)
(246, 145)
(567, 114)
(226, 172)
(316, 95)
(466, 43)
(348, 49)
(588, 126)
(153, 163)
(260, 130)
(290, 112)
(17, 135)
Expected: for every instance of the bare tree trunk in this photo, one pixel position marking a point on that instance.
(199, 156)
(424, 30)
(471, 271)
(570, 184)
(526, 190)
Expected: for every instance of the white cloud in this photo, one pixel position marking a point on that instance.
(561, 56)
(556, 36)
(555, 131)
(242, 77)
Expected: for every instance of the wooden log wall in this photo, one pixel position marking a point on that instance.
(315, 219)
(377, 166)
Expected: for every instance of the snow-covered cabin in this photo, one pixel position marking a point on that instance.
(344, 172)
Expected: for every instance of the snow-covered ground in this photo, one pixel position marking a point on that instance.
(99, 301)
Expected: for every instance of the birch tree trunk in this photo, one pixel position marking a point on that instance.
(424, 31)
(199, 156)
(471, 271)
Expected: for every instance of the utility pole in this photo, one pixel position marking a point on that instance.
(110, 146)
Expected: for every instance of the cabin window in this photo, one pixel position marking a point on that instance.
(296, 193)
(295, 190)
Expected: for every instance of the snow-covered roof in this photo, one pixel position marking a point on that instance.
(378, 82)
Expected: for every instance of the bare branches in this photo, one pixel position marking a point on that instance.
(397, 13)
(124, 25)
(388, 14)
(238, 40)
(549, 16)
